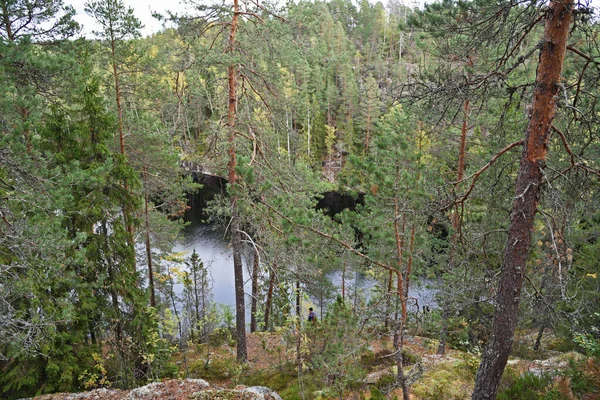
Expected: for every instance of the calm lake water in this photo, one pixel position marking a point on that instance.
(215, 252)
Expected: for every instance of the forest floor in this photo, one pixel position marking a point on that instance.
(272, 362)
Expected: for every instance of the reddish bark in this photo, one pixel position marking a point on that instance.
(236, 241)
(528, 184)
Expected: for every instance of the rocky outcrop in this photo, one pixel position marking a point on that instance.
(171, 390)
(240, 393)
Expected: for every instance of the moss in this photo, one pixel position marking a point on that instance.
(295, 392)
(445, 382)
(275, 379)
(466, 367)
(560, 344)
(217, 369)
(223, 394)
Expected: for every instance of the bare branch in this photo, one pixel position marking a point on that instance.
(567, 147)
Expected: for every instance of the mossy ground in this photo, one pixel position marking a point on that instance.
(272, 363)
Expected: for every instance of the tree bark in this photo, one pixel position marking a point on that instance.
(254, 305)
(236, 240)
(148, 247)
(528, 184)
(270, 296)
(298, 311)
(400, 322)
(343, 283)
(126, 208)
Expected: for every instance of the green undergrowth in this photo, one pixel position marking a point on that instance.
(448, 380)
(527, 386)
(285, 381)
(214, 364)
(580, 380)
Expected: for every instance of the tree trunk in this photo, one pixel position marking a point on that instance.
(528, 184)
(298, 300)
(399, 340)
(399, 235)
(194, 260)
(236, 240)
(270, 296)
(455, 223)
(148, 248)
(401, 321)
(126, 211)
(538, 340)
(254, 305)
(343, 283)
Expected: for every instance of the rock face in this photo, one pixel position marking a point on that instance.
(171, 390)
(247, 393)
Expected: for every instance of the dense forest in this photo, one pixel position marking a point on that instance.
(465, 135)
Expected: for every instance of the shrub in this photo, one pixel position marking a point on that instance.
(528, 386)
(219, 337)
(582, 377)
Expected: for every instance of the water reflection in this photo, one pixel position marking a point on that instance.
(215, 253)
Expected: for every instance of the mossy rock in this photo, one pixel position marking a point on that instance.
(216, 370)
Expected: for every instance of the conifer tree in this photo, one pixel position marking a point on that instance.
(118, 24)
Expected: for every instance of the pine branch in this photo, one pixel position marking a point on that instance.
(329, 237)
(477, 174)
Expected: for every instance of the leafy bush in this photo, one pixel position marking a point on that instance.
(589, 345)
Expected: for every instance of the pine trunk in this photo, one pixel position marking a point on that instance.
(148, 247)
(400, 321)
(126, 208)
(528, 184)
(236, 240)
(254, 305)
(270, 296)
(455, 224)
